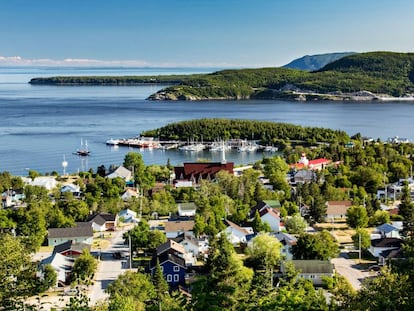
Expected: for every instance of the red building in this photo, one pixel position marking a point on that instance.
(195, 172)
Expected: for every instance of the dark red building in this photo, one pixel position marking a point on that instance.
(198, 171)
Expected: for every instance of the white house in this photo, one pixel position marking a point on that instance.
(287, 241)
(61, 264)
(82, 233)
(47, 182)
(176, 227)
(103, 222)
(384, 244)
(271, 217)
(121, 172)
(313, 270)
(129, 194)
(128, 215)
(388, 231)
(235, 233)
(187, 209)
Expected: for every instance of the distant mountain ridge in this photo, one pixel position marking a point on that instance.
(316, 62)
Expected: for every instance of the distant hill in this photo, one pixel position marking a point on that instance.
(315, 62)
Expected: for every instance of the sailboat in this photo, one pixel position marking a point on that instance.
(83, 151)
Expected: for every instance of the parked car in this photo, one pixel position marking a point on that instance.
(70, 292)
(375, 268)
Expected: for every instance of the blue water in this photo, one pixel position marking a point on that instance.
(40, 125)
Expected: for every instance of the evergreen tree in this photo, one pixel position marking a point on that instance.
(160, 284)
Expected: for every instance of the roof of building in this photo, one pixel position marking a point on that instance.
(260, 206)
(187, 206)
(121, 172)
(164, 257)
(337, 207)
(71, 246)
(202, 170)
(101, 218)
(387, 242)
(173, 226)
(186, 237)
(78, 231)
(386, 228)
(235, 226)
(312, 163)
(170, 245)
(392, 253)
(58, 261)
(285, 238)
(313, 266)
(269, 211)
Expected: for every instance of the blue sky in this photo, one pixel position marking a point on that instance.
(206, 33)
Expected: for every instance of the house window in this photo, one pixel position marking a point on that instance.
(176, 277)
(176, 269)
(312, 276)
(169, 277)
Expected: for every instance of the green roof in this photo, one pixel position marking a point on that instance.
(313, 266)
(273, 203)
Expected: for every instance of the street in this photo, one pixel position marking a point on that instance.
(348, 269)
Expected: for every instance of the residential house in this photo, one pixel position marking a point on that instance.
(72, 188)
(304, 177)
(103, 222)
(12, 198)
(71, 249)
(378, 246)
(128, 216)
(313, 270)
(173, 268)
(81, 233)
(187, 209)
(269, 213)
(174, 228)
(61, 264)
(121, 172)
(287, 241)
(129, 194)
(193, 247)
(236, 234)
(337, 209)
(47, 182)
(388, 231)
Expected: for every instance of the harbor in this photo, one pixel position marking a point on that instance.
(239, 145)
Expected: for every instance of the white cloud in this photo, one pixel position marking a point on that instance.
(19, 61)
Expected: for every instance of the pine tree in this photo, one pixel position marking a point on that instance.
(160, 284)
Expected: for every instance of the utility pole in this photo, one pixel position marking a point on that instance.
(359, 240)
(130, 251)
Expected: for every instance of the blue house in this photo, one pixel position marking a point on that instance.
(171, 258)
(172, 267)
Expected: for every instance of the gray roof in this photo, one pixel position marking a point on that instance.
(285, 238)
(313, 266)
(387, 242)
(101, 218)
(386, 228)
(188, 206)
(70, 245)
(78, 231)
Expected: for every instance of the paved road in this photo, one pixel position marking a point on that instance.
(108, 268)
(349, 270)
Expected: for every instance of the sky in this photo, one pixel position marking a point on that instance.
(197, 33)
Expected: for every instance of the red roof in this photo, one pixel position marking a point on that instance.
(203, 170)
(312, 163)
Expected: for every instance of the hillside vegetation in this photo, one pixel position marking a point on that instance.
(365, 76)
(266, 132)
(381, 73)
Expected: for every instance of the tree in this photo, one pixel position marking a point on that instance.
(357, 217)
(131, 286)
(361, 236)
(296, 224)
(139, 235)
(84, 268)
(258, 225)
(160, 284)
(227, 282)
(16, 271)
(406, 210)
(315, 246)
(48, 280)
(379, 218)
(264, 253)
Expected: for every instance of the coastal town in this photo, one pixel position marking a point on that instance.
(324, 217)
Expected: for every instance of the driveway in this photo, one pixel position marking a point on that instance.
(109, 268)
(350, 271)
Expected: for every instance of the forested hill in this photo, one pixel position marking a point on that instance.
(315, 62)
(363, 76)
(265, 132)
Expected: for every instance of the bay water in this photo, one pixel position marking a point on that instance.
(42, 125)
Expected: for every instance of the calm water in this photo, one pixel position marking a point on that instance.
(42, 124)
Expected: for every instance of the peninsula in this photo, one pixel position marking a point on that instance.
(365, 76)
